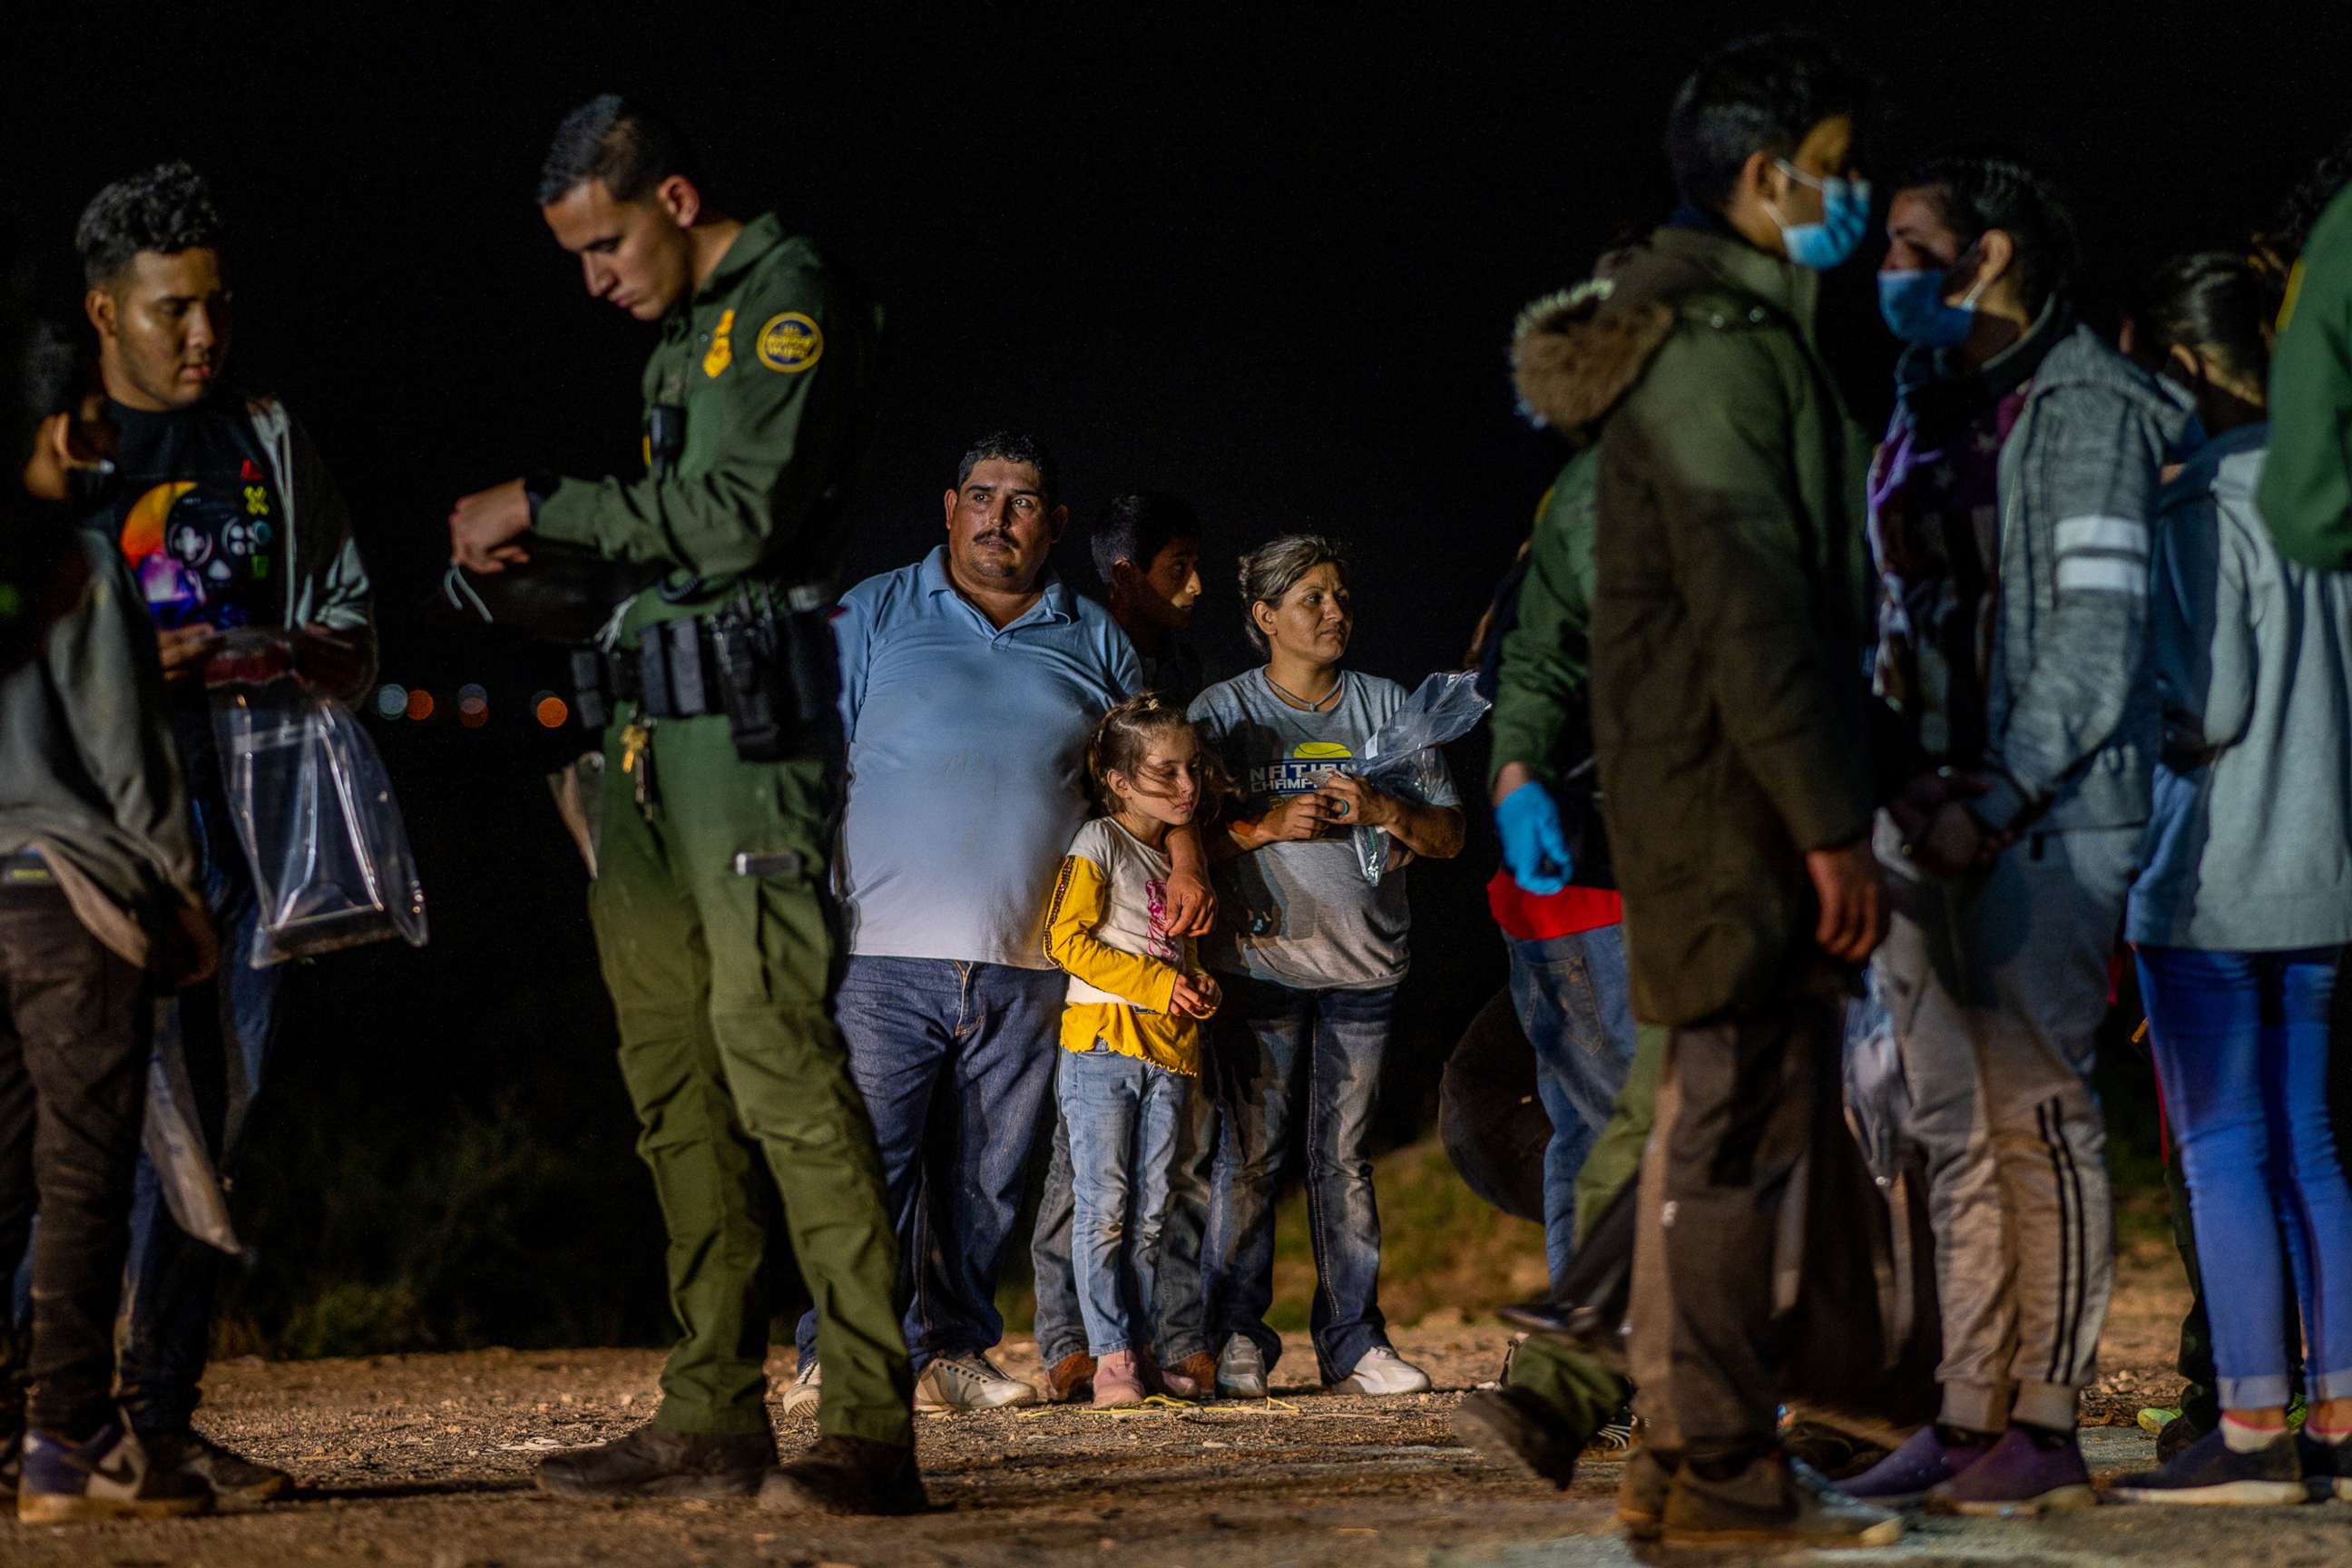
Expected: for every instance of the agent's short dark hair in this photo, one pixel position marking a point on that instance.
(1761, 94)
(618, 143)
(166, 209)
(2216, 304)
(1013, 446)
(1139, 526)
(1973, 195)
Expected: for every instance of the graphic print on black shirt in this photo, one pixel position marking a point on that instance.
(198, 515)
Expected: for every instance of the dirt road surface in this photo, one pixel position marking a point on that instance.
(425, 1461)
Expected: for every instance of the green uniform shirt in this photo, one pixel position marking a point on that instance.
(1539, 718)
(771, 367)
(2306, 485)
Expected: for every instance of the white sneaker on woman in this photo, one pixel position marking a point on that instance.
(1240, 1369)
(968, 1383)
(1383, 1372)
(806, 1393)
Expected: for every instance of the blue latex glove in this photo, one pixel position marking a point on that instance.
(1534, 848)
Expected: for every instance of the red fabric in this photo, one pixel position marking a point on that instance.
(1537, 917)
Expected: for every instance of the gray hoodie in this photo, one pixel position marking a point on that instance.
(2250, 847)
(89, 774)
(2071, 724)
(326, 583)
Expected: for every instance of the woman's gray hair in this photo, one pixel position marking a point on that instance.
(1272, 569)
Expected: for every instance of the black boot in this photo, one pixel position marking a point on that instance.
(232, 1477)
(1515, 1426)
(849, 1476)
(654, 1461)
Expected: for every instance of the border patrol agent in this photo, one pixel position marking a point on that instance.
(711, 906)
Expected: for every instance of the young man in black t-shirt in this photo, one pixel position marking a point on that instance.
(227, 519)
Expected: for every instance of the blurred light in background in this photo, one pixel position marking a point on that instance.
(420, 706)
(391, 701)
(551, 710)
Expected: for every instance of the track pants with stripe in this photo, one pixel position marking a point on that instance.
(1998, 982)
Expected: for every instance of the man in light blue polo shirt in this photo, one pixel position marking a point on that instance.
(971, 683)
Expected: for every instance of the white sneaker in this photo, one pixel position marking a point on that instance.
(806, 1394)
(1383, 1372)
(968, 1383)
(1240, 1369)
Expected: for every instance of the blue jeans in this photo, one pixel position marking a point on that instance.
(1126, 1123)
(1325, 1048)
(955, 1062)
(2242, 1047)
(1574, 1000)
(224, 1028)
(1180, 1323)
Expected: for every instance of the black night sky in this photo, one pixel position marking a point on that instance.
(1267, 258)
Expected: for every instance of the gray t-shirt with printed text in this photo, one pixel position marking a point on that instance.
(1302, 914)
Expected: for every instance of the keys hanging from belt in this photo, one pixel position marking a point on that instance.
(637, 762)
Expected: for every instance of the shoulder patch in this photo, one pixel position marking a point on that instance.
(790, 343)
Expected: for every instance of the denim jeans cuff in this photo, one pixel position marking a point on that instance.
(2263, 1393)
(2320, 1385)
(1337, 1357)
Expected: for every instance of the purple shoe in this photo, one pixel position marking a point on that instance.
(1924, 1462)
(2018, 1478)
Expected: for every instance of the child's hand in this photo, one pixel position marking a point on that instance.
(1196, 995)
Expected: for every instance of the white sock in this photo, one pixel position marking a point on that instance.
(2244, 1439)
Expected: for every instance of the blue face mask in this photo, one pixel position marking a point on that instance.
(1845, 218)
(1913, 304)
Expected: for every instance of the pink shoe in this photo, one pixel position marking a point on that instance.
(1117, 1381)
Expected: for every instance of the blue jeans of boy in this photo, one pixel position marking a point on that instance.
(1574, 999)
(1179, 1325)
(2242, 1047)
(224, 1028)
(1284, 1054)
(1126, 1122)
(955, 1061)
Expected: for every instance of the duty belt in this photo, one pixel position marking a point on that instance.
(771, 669)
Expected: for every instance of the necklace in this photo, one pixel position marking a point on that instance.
(1317, 706)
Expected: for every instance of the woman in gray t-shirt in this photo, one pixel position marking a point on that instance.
(1313, 953)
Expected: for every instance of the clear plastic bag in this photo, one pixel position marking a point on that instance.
(1404, 757)
(314, 810)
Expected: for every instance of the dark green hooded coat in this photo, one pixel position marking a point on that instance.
(1729, 615)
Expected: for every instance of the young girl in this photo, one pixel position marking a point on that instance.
(1130, 1025)
(2241, 916)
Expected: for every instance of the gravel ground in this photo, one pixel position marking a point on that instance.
(427, 1460)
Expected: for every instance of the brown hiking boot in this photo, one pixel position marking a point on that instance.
(842, 1475)
(1073, 1377)
(654, 1461)
(1194, 1377)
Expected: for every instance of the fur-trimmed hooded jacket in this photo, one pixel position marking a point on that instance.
(1728, 606)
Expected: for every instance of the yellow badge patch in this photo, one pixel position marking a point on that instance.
(790, 343)
(722, 352)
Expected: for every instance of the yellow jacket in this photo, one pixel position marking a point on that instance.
(1106, 927)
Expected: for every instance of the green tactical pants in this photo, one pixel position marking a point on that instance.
(722, 985)
(1581, 1391)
